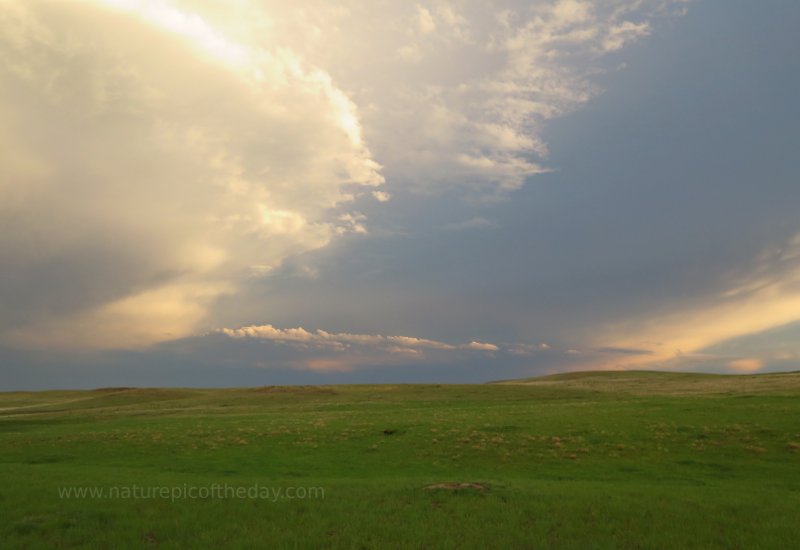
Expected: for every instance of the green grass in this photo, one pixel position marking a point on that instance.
(587, 460)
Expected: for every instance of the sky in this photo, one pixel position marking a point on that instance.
(251, 192)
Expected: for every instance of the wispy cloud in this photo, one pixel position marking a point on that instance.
(343, 340)
(466, 87)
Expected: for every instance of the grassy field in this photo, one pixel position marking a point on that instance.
(582, 460)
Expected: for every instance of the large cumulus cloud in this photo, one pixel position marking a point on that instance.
(146, 169)
(154, 154)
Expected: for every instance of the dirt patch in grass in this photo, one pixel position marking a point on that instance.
(457, 486)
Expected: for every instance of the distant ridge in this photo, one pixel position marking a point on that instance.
(665, 382)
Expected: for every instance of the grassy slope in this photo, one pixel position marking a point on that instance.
(668, 383)
(588, 460)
